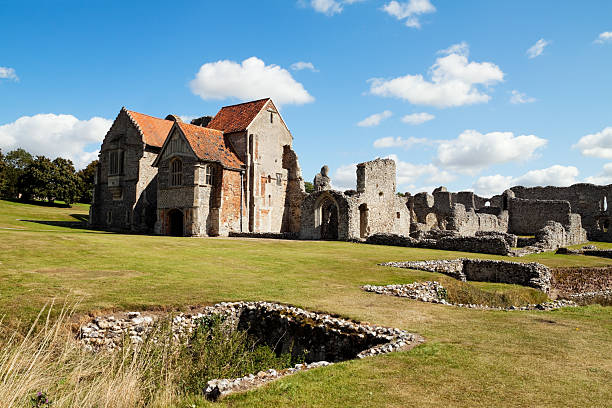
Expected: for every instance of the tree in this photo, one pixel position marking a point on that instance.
(86, 182)
(3, 168)
(35, 182)
(64, 181)
(308, 187)
(15, 163)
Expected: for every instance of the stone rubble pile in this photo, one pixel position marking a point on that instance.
(434, 292)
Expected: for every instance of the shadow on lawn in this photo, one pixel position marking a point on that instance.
(80, 223)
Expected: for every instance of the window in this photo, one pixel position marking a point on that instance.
(176, 172)
(115, 162)
(271, 117)
(109, 217)
(279, 179)
(209, 174)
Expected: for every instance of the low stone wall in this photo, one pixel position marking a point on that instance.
(496, 245)
(603, 253)
(531, 274)
(511, 239)
(286, 329)
(434, 292)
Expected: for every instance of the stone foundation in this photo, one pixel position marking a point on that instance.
(321, 338)
(531, 274)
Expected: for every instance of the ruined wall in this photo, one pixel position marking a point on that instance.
(588, 200)
(379, 207)
(311, 222)
(528, 216)
(531, 274)
(125, 201)
(270, 181)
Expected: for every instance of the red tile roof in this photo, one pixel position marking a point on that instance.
(153, 130)
(236, 118)
(210, 144)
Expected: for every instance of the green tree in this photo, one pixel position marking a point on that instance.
(308, 187)
(64, 181)
(2, 172)
(15, 163)
(36, 180)
(86, 182)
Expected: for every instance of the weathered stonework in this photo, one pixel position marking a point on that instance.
(374, 207)
(531, 274)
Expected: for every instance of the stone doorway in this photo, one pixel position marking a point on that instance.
(329, 220)
(363, 220)
(176, 224)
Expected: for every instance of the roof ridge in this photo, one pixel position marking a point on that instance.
(244, 103)
(140, 113)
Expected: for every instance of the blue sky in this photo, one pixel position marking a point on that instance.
(487, 113)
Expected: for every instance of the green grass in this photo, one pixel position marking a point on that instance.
(471, 358)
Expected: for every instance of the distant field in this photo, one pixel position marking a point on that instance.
(471, 358)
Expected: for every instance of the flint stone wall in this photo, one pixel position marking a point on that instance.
(495, 245)
(531, 274)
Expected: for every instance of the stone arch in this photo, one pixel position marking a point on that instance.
(487, 204)
(176, 223)
(326, 217)
(604, 205)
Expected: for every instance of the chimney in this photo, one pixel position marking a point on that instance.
(203, 121)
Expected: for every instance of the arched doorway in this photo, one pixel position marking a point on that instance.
(328, 212)
(176, 225)
(363, 220)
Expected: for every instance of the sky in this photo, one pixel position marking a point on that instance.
(472, 95)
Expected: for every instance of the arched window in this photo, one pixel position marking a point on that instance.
(209, 174)
(176, 172)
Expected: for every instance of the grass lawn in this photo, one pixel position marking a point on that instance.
(471, 358)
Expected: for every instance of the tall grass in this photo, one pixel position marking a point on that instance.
(159, 372)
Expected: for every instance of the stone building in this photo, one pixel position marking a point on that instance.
(374, 207)
(234, 172)
(125, 192)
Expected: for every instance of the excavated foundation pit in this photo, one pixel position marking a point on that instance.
(319, 339)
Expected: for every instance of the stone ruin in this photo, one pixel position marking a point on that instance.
(530, 274)
(517, 222)
(321, 338)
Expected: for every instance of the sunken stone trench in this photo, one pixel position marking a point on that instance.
(320, 338)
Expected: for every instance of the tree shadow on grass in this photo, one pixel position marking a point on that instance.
(79, 223)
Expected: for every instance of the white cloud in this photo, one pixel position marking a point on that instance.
(603, 178)
(557, 175)
(538, 48)
(454, 82)
(461, 48)
(417, 118)
(249, 80)
(375, 119)
(520, 97)
(388, 142)
(345, 177)
(8, 73)
(56, 136)
(473, 151)
(409, 11)
(300, 65)
(488, 186)
(596, 145)
(329, 7)
(604, 37)
(407, 174)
